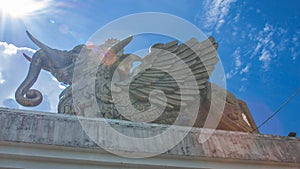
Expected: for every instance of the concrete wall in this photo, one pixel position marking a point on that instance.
(45, 140)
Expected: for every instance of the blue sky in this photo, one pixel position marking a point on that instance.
(258, 47)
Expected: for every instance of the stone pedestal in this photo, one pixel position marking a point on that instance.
(35, 140)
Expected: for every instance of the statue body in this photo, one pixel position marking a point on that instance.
(142, 83)
(199, 57)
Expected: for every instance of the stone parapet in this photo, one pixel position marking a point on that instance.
(51, 129)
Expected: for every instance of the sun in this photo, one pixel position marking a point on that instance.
(21, 8)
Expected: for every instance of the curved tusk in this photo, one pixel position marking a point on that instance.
(27, 57)
(38, 43)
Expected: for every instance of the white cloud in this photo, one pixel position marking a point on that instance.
(294, 53)
(282, 31)
(14, 67)
(242, 89)
(244, 79)
(294, 57)
(237, 64)
(219, 24)
(10, 49)
(257, 49)
(294, 50)
(245, 69)
(267, 27)
(295, 39)
(265, 58)
(237, 17)
(237, 60)
(1, 78)
(282, 44)
(229, 75)
(265, 49)
(215, 13)
(272, 42)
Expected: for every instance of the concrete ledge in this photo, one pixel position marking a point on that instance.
(57, 130)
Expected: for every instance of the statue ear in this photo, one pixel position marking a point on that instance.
(121, 45)
(77, 49)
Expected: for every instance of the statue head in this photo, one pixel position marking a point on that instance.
(60, 64)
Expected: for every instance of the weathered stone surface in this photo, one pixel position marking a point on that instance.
(64, 130)
(235, 116)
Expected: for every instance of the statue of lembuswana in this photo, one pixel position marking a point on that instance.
(199, 57)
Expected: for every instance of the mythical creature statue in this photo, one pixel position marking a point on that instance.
(159, 70)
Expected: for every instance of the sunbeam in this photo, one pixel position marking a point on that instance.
(22, 8)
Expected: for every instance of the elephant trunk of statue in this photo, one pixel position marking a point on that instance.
(45, 58)
(24, 95)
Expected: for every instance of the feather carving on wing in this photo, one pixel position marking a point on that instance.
(171, 77)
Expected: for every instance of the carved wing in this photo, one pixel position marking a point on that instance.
(178, 70)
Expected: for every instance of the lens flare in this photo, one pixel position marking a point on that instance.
(22, 8)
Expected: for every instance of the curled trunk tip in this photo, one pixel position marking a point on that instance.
(31, 98)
